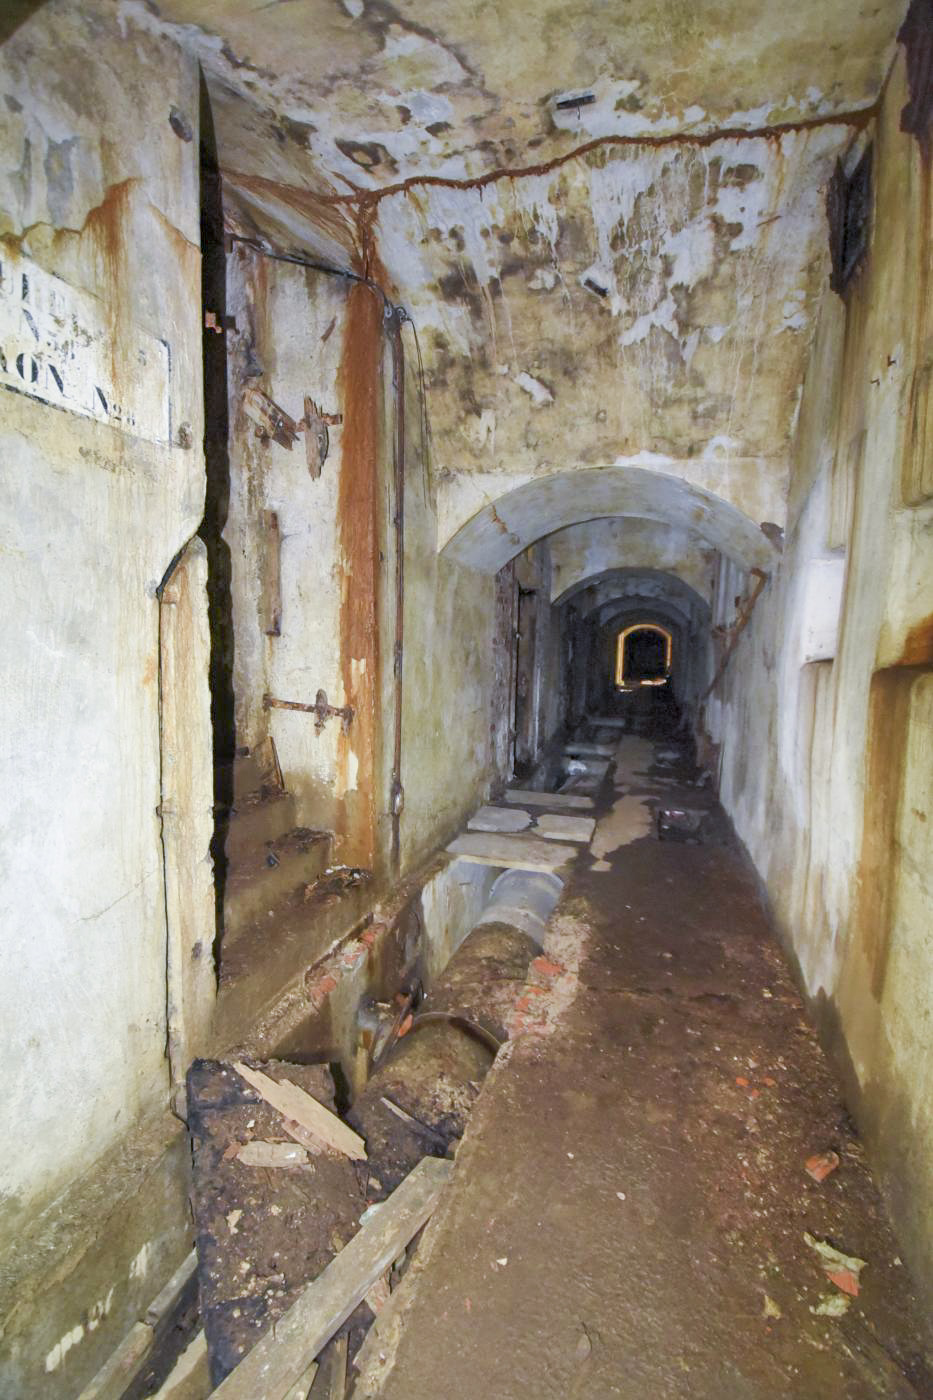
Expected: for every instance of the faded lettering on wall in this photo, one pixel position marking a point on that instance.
(58, 344)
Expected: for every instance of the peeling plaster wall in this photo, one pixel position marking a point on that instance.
(98, 189)
(826, 766)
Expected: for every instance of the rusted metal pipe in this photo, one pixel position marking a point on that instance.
(736, 631)
(420, 1095)
(396, 790)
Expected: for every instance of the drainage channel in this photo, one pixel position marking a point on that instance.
(272, 1212)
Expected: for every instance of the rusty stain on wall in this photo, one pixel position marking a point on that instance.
(358, 527)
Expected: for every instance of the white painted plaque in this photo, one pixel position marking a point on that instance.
(57, 344)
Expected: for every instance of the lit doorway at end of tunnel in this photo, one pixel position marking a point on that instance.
(643, 656)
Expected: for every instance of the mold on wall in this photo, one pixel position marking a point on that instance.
(826, 766)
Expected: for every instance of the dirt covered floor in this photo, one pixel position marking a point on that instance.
(630, 1206)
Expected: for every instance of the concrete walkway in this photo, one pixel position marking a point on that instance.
(629, 1206)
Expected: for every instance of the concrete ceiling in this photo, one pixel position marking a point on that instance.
(370, 92)
(630, 283)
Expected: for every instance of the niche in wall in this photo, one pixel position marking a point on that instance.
(897, 835)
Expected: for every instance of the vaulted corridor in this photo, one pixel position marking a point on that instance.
(468, 621)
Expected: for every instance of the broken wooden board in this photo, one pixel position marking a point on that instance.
(526, 797)
(499, 819)
(189, 1378)
(330, 1382)
(302, 1387)
(558, 826)
(295, 1105)
(510, 852)
(262, 1234)
(278, 1360)
(166, 1299)
(119, 1369)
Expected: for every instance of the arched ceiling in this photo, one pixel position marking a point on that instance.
(580, 551)
(504, 527)
(637, 588)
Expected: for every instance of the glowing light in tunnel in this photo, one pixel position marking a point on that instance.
(623, 677)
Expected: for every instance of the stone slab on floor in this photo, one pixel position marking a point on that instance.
(586, 750)
(628, 1208)
(499, 819)
(511, 852)
(558, 826)
(526, 797)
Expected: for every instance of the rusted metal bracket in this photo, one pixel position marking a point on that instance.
(273, 422)
(731, 634)
(321, 709)
(317, 439)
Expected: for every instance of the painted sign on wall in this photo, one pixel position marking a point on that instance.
(58, 344)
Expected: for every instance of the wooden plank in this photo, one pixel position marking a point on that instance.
(301, 1390)
(331, 1382)
(523, 797)
(295, 1105)
(510, 852)
(280, 1357)
(120, 1368)
(165, 1300)
(590, 750)
(189, 1378)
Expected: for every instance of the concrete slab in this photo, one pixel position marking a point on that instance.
(527, 798)
(557, 826)
(499, 819)
(589, 750)
(511, 852)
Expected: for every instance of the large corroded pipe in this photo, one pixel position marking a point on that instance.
(419, 1100)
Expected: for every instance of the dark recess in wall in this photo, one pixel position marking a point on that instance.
(217, 499)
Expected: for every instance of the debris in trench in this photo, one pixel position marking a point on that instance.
(302, 1115)
(841, 1269)
(378, 1295)
(261, 1234)
(325, 1305)
(821, 1165)
(337, 880)
(832, 1305)
(680, 824)
(271, 1154)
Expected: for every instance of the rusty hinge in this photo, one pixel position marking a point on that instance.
(321, 709)
(273, 422)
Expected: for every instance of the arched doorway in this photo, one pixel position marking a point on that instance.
(644, 653)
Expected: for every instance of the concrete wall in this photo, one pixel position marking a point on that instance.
(825, 715)
(102, 485)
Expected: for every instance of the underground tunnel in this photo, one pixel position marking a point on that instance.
(467, 596)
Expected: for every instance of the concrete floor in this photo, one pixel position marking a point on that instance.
(628, 1212)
